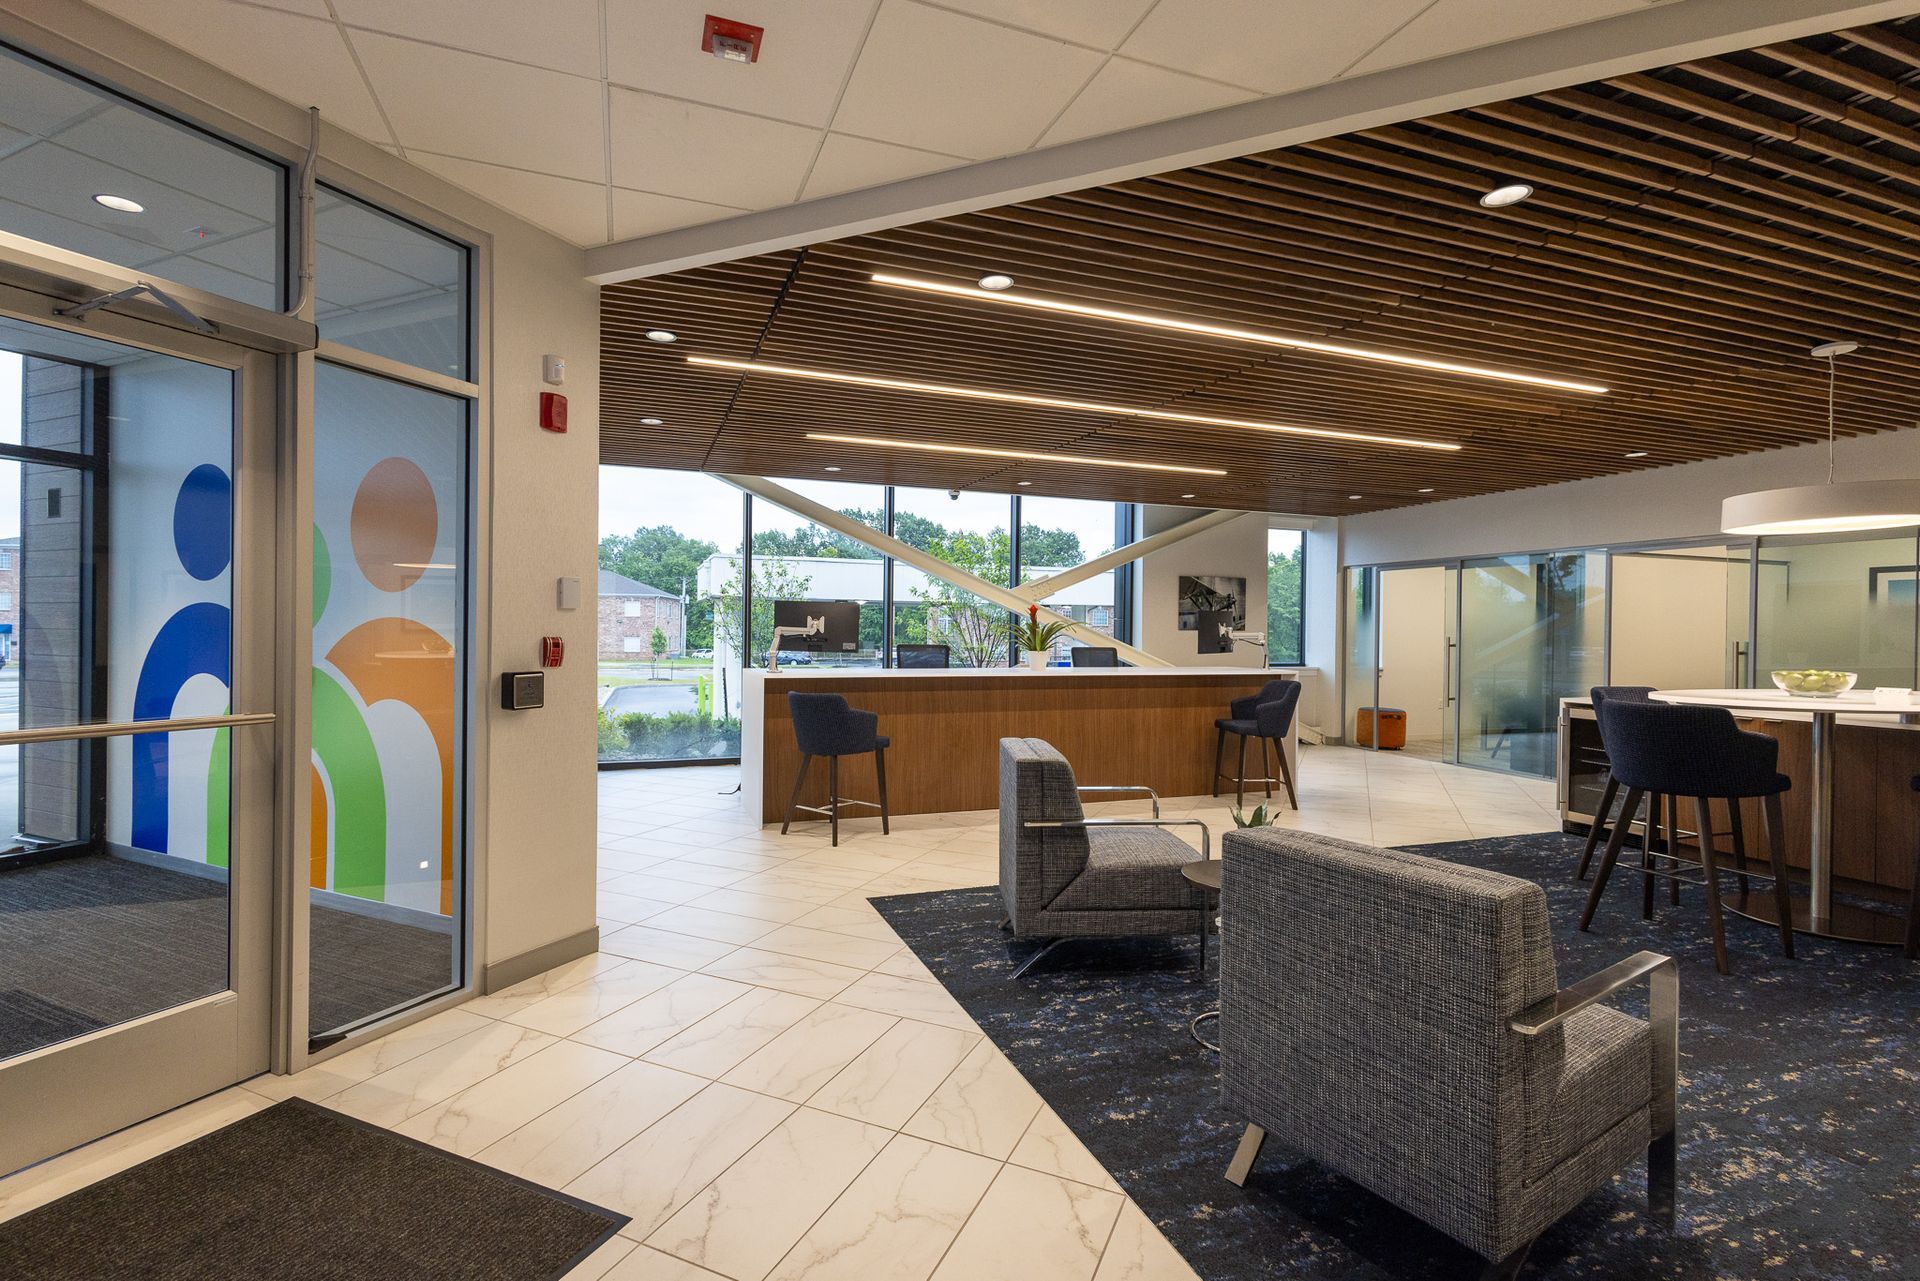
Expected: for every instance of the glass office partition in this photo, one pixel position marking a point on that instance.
(796, 559)
(1414, 653)
(1845, 602)
(1532, 631)
(1680, 616)
(669, 635)
(1360, 661)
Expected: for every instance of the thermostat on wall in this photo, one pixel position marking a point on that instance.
(523, 691)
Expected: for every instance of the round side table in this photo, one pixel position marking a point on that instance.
(1204, 873)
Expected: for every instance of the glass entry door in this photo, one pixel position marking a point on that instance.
(137, 548)
(1532, 631)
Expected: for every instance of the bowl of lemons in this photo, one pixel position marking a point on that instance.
(1815, 682)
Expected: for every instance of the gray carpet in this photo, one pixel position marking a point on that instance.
(301, 1193)
(91, 941)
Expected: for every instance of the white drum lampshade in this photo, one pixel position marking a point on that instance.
(1819, 509)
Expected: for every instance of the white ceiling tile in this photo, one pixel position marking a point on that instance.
(573, 210)
(1126, 94)
(562, 34)
(704, 153)
(295, 58)
(942, 82)
(1274, 46)
(847, 164)
(804, 58)
(1101, 23)
(462, 104)
(1453, 25)
(640, 213)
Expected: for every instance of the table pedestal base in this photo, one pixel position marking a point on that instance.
(1845, 921)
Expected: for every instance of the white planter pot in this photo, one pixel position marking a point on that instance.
(1038, 659)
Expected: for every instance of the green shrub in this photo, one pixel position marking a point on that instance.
(674, 736)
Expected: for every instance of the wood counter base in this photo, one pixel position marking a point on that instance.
(1125, 727)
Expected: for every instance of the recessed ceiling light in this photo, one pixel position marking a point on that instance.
(1638, 453)
(1051, 402)
(996, 281)
(833, 469)
(980, 451)
(1353, 498)
(1511, 193)
(1186, 495)
(1427, 490)
(119, 203)
(1023, 483)
(662, 335)
(1227, 331)
(650, 422)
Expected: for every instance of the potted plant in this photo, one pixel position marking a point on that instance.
(1036, 638)
(1259, 818)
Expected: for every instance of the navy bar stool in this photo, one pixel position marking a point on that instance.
(1266, 715)
(1601, 819)
(1913, 898)
(1699, 752)
(1094, 656)
(824, 725)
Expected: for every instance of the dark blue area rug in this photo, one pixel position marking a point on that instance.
(1799, 1097)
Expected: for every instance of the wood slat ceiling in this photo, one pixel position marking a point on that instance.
(1695, 230)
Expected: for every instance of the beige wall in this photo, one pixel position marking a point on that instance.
(1235, 550)
(1670, 620)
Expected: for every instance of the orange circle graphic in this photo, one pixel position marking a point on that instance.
(395, 524)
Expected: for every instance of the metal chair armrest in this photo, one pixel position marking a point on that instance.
(1130, 791)
(1206, 838)
(1663, 1016)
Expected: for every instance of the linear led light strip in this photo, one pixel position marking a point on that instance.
(980, 451)
(1223, 331)
(1051, 402)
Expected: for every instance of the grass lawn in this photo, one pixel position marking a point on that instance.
(669, 671)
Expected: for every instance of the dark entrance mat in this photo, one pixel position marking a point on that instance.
(1800, 1123)
(298, 1192)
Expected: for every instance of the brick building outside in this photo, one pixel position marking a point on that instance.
(630, 610)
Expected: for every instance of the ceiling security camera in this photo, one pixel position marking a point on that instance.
(954, 494)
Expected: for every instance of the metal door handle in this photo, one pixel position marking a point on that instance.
(120, 729)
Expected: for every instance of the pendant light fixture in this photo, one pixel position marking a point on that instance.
(1835, 507)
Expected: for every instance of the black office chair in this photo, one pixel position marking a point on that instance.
(1266, 715)
(1699, 752)
(1913, 898)
(1095, 656)
(824, 725)
(922, 656)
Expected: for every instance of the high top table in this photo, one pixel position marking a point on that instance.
(1818, 914)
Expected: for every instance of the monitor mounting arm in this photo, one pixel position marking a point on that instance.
(814, 627)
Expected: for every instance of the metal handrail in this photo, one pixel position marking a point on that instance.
(120, 729)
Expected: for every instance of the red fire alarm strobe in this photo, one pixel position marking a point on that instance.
(553, 651)
(733, 41)
(553, 411)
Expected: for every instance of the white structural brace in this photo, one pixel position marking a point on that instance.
(1099, 565)
(1000, 594)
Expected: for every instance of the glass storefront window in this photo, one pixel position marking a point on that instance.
(669, 634)
(797, 560)
(974, 533)
(390, 288)
(1060, 533)
(89, 171)
(1286, 598)
(388, 850)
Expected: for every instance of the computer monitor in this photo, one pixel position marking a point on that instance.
(834, 624)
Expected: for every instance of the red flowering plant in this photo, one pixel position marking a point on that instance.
(1034, 634)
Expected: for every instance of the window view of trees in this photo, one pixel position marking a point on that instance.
(674, 637)
(1286, 580)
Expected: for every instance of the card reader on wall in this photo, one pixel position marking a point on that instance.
(523, 691)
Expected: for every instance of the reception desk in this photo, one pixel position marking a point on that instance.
(1127, 725)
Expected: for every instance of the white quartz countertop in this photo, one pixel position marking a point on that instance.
(1010, 673)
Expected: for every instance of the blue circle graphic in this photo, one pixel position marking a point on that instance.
(203, 522)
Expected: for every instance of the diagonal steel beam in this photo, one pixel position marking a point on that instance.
(929, 564)
(1121, 555)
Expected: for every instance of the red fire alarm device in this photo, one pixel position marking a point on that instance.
(553, 411)
(731, 41)
(552, 651)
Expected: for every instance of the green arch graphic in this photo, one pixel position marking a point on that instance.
(346, 752)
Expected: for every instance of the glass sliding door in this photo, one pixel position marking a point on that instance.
(1680, 616)
(1532, 631)
(136, 749)
(1360, 616)
(1414, 654)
